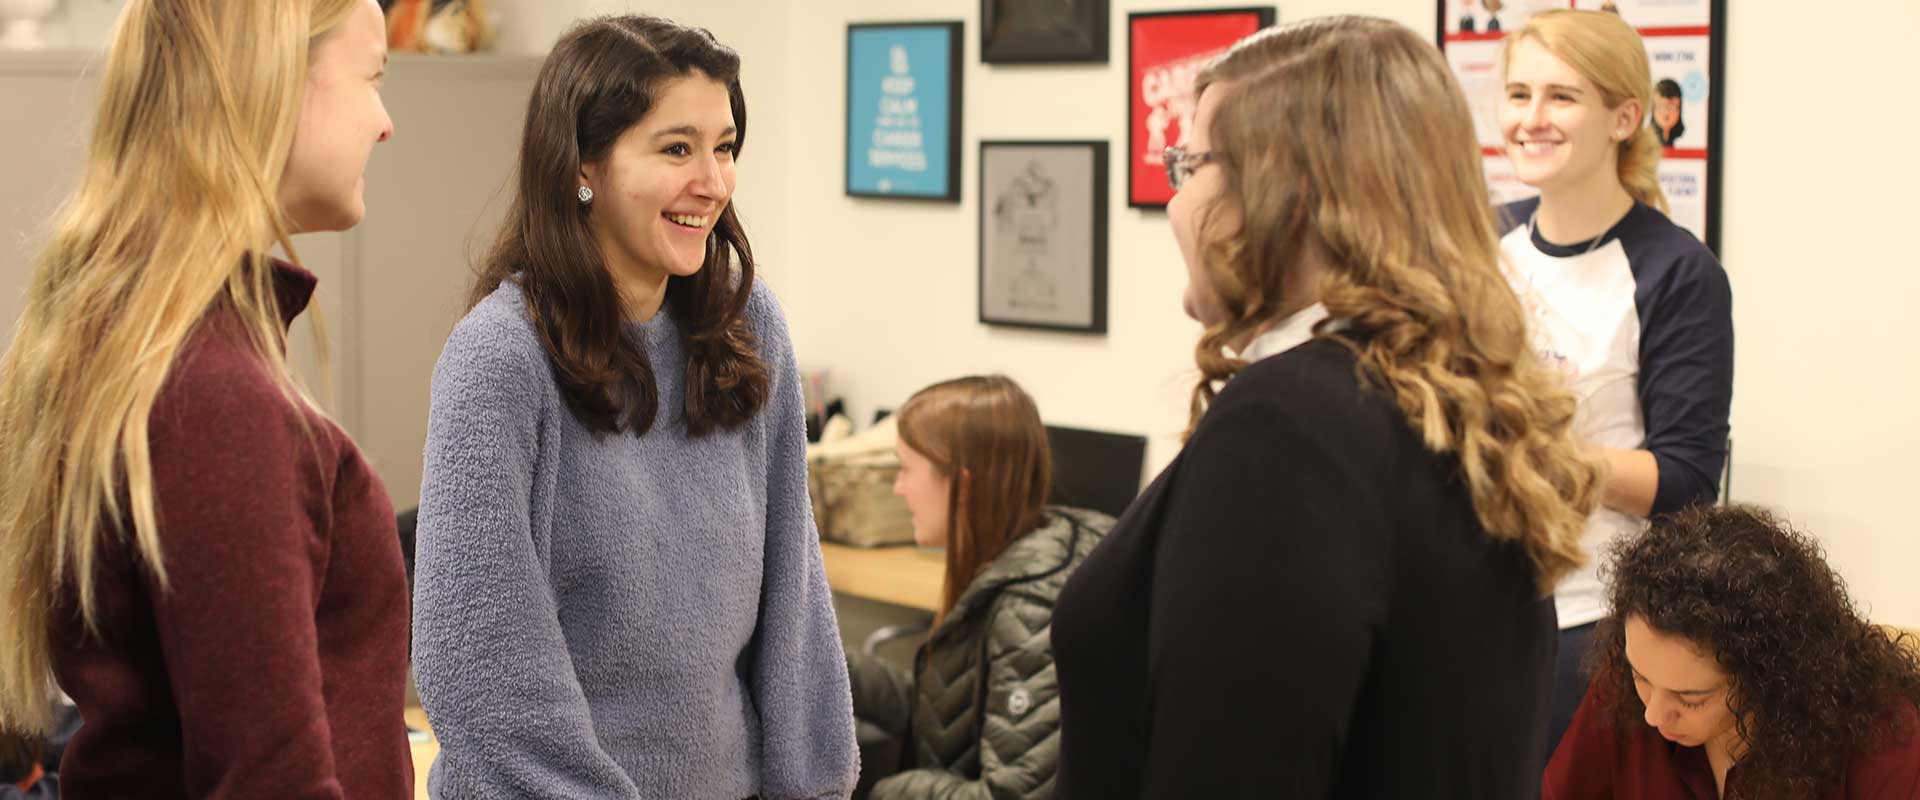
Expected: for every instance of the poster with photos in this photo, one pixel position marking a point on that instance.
(1685, 40)
(1489, 19)
(1680, 91)
(1655, 14)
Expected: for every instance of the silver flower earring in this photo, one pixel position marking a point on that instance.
(586, 195)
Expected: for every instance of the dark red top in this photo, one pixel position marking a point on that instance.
(274, 664)
(1598, 760)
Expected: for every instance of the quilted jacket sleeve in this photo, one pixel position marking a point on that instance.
(882, 693)
(1020, 725)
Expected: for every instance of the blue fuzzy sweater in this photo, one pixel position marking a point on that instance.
(612, 616)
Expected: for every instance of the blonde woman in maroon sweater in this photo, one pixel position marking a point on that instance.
(197, 553)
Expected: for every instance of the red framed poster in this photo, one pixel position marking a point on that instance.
(1686, 46)
(1165, 49)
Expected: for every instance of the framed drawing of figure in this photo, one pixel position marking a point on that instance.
(1043, 234)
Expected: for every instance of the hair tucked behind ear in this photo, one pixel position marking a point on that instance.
(601, 79)
(1346, 140)
(1640, 167)
(1607, 51)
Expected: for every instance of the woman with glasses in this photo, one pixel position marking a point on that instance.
(1339, 588)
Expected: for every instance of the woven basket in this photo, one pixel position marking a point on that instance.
(853, 499)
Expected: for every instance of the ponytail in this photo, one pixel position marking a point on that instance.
(1640, 167)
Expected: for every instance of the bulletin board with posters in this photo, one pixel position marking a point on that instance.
(1686, 47)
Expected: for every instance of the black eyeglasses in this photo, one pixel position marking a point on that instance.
(1181, 164)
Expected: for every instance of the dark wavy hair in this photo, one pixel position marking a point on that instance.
(1812, 683)
(1669, 89)
(600, 80)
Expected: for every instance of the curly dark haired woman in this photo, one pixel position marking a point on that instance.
(1736, 666)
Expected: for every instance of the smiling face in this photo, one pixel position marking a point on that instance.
(1683, 689)
(664, 182)
(341, 118)
(1559, 133)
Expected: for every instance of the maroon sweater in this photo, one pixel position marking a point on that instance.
(1597, 760)
(274, 663)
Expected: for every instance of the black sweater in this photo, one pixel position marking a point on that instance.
(1303, 605)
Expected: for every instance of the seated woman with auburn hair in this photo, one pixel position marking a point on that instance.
(1734, 665)
(980, 714)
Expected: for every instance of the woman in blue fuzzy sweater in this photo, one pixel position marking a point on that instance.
(620, 592)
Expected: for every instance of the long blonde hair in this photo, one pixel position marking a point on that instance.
(176, 210)
(1346, 141)
(1606, 50)
(982, 432)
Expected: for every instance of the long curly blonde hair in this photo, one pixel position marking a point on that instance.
(1345, 141)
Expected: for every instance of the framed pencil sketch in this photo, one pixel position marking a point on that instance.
(1043, 234)
(903, 110)
(1165, 49)
(1043, 31)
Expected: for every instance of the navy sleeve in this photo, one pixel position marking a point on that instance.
(1686, 376)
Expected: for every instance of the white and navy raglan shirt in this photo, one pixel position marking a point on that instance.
(1641, 325)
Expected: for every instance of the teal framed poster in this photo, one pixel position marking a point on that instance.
(903, 110)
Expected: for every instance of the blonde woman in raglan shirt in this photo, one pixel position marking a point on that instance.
(1630, 307)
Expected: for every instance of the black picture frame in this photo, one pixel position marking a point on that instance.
(863, 178)
(1018, 32)
(1043, 234)
(1146, 184)
(1448, 29)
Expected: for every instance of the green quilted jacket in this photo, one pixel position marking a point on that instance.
(983, 720)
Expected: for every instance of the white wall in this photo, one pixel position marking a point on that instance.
(883, 293)
(1816, 216)
(888, 303)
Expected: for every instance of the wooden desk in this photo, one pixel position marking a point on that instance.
(904, 576)
(423, 752)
